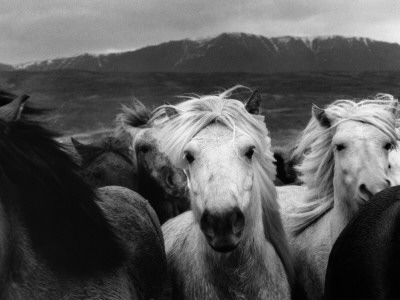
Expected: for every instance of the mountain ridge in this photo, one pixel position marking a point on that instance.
(239, 52)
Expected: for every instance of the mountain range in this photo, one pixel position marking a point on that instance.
(239, 52)
(4, 67)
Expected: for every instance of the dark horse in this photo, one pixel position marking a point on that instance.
(61, 239)
(285, 166)
(158, 180)
(108, 162)
(365, 259)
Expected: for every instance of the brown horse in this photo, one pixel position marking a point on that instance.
(61, 239)
(160, 182)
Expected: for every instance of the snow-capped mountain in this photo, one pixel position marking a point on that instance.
(239, 52)
(4, 67)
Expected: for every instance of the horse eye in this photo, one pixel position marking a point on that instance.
(189, 157)
(388, 146)
(340, 147)
(249, 153)
(144, 149)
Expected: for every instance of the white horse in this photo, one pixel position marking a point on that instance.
(232, 244)
(345, 163)
(394, 160)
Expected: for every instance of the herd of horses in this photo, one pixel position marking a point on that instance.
(190, 201)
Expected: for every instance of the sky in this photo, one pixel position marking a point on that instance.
(43, 29)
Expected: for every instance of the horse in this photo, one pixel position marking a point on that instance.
(61, 239)
(161, 183)
(291, 155)
(364, 262)
(231, 245)
(107, 162)
(345, 163)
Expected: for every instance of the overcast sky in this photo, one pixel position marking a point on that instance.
(42, 29)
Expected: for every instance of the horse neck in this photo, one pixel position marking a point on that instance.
(147, 187)
(341, 214)
(327, 229)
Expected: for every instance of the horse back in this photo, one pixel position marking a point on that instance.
(137, 225)
(365, 259)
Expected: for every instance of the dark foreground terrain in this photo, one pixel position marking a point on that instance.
(88, 101)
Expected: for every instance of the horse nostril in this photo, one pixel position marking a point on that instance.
(237, 221)
(170, 180)
(206, 224)
(365, 192)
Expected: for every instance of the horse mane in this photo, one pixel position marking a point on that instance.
(317, 166)
(135, 115)
(301, 145)
(108, 144)
(195, 114)
(57, 207)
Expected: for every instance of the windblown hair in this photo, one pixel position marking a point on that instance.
(305, 139)
(194, 115)
(135, 115)
(67, 228)
(317, 167)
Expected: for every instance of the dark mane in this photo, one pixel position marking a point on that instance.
(106, 145)
(136, 115)
(66, 226)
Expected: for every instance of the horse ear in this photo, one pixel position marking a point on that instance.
(12, 111)
(321, 116)
(170, 110)
(82, 149)
(253, 104)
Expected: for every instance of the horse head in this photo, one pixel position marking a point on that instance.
(360, 144)
(224, 151)
(107, 162)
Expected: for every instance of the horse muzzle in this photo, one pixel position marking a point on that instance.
(223, 231)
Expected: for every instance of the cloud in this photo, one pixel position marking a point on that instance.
(32, 30)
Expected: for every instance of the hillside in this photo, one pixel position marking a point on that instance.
(86, 101)
(239, 52)
(4, 67)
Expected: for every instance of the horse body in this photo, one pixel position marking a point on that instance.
(34, 277)
(60, 238)
(231, 245)
(364, 262)
(347, 162)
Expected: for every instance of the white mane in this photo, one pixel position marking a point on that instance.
(317, 168)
